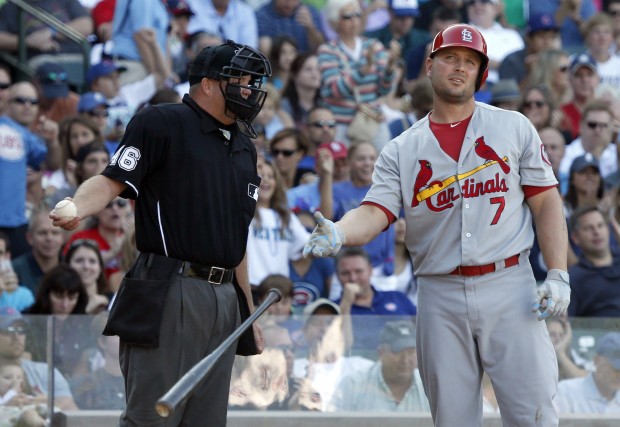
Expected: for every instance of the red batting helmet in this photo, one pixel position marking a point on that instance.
(463, 35)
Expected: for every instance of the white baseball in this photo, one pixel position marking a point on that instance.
(65, 209)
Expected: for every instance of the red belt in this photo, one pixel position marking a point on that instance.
(479, 270)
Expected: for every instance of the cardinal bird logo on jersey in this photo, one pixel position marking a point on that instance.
(425, 174)
(489, 154)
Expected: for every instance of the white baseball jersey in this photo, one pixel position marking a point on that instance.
(466, 213)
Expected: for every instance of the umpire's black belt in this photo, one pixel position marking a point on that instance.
(212, 274)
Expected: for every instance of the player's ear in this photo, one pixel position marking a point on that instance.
(205, 85)
(429, 63)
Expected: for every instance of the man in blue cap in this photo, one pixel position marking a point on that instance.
(56, 101)
(542, 34)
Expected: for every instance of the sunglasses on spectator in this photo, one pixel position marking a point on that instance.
(4, 86)
(13, 330)
(351, 15)
(84, 242)
(594, 125)
(324, 123)
(119, 203)
(55, 77)
(614, 12)
(530, 104)
(98, 113)
(563, 68)
(286, 153)
(24, 100)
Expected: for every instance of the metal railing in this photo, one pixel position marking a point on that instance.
(20, 62)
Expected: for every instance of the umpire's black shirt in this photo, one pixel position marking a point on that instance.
(195, 190)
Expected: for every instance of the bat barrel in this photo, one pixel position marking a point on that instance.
(167, 404)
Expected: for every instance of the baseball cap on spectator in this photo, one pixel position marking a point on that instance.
(53, 79)
(91, 100)
(404, 7)
(609, 346)
(541, 22)
(582, 162)
(505, 90)
(104, 68)
(582, 60)
(179, 8)
(9, 316)
(309, 309)
(338, 149)
(398, 335)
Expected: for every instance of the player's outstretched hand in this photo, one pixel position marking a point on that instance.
(325, 240)
(553, 296)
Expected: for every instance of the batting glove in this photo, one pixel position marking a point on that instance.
(326, 239)
(553, 296)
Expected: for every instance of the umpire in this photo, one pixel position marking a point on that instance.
(191, 169)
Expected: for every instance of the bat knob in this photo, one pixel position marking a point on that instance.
(277, 294)
(163, 409)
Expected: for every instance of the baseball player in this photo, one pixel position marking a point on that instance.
(470, 178)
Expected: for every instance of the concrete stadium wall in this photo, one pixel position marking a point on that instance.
(314, 419)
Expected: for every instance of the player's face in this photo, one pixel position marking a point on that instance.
(86, 262)
(321, 126)
(44, 238)
(592, 234)
(354, 269)
(362, 164)
(453, 72)
(63, 303)
(11, 378)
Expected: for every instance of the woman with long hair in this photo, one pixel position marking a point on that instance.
(539, 106)
(283, 52)
(84, 257)
(74, 133)
(301, 94)
(552, 70)
(354, 69)
(62, 294)
(276, 234)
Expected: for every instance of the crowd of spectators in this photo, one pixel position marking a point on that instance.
(343, 336)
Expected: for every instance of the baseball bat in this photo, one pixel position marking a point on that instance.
(180, 391)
